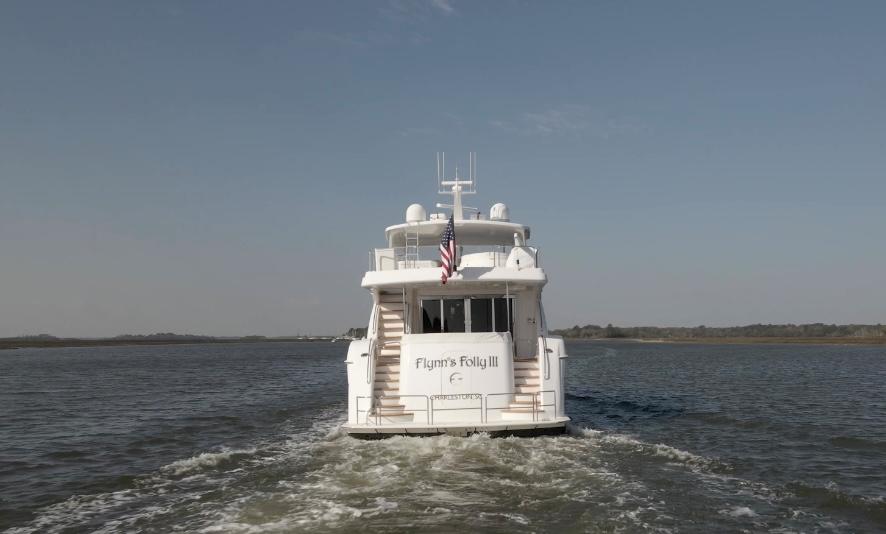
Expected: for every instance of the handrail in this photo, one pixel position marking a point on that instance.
(485, 418)
(544, 343)
(376, 411)
(480, 408)
(396, 255)
(544, 338)
(367, 411)
(373, 344)
(405, 310)
(536, 403)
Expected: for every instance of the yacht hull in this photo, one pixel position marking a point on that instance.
(516, 429)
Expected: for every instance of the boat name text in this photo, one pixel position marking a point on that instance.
(477, 362)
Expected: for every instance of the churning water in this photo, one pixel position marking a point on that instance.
(245, 438)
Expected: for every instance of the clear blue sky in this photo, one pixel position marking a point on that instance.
(223, 168)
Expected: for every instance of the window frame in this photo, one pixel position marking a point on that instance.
(510, 306)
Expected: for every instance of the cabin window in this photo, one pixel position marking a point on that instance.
(471, 314)
(432, 316)
(481, 315)
(504, 314)
(453, 315)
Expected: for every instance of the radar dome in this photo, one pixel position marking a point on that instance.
(415, 213)
(499, 212)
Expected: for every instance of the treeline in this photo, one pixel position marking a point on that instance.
(164, 336)
(815, 330)
(356, 332)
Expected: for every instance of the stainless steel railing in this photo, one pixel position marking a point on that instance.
(375, 411)
(379, 407)
(408, 257)
(462, 408)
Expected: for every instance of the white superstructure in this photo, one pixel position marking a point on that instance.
(471, 355)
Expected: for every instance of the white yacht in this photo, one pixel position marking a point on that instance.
(457, 341)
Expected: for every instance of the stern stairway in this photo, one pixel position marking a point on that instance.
(527, 383)
(387, 368)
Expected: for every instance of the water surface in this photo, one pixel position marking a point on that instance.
(245, 438)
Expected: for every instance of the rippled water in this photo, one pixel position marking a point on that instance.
(244, 438)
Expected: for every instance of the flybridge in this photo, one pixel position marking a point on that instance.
(484, 241)
(421, 229)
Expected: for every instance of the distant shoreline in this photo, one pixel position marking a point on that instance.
(12, 343)
(744, 340)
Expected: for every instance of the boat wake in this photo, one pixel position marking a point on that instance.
(317, 478)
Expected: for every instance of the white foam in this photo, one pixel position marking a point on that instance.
(653, 449)
(513, 517)
(584, 431)
(323, 479)
(204, 460)
(739, 511)
(673, 453)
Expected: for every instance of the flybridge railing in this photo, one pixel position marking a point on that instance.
(428, 256)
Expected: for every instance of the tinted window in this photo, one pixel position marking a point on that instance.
(481, 315)
(430, 317)
(453, 315)
(503, 322)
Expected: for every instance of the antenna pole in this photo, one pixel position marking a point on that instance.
(474, 174)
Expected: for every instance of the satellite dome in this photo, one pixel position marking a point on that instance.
(499, 212)
(415, 213)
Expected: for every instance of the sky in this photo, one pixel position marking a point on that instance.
(223, 168)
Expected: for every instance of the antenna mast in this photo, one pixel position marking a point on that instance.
(458, 187)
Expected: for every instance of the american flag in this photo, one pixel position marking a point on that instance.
(447, 250)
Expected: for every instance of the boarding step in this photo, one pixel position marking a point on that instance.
(526, 390)
(388, 418)
(390, 403)
(393, 368)
(393, 334)
(381, 376)
(525, 364)
(391, 307)
(518, 414)
(390, 352)
(526, 372)
(525, 381)
(519, 409)
(387, 385)
(386, 392)
(390, 297)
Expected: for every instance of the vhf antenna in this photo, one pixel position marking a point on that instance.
(457, 187)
